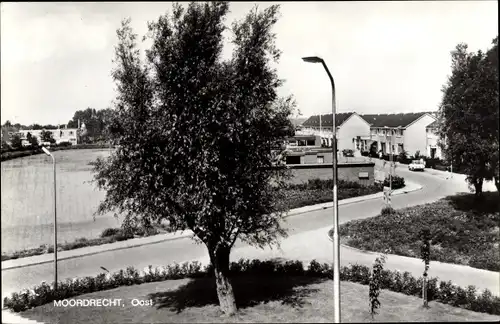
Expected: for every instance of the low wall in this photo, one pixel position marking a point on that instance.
(346, 171)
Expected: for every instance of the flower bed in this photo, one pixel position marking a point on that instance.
(444, 292)
(317, 191)
(462, 230)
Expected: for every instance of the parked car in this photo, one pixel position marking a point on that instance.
(25, 143)
(416, 165)
(348, 153)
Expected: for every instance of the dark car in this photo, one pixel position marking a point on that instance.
(348, 153)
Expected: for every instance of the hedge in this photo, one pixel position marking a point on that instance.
(444, 292)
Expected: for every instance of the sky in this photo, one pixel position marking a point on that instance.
(385, 57)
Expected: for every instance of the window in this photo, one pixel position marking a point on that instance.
(393, 148)
(293, 160)
(320, 159)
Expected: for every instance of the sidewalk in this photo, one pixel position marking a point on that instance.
(460, 179)
(64, 255)
(317, 245)
(9, 317)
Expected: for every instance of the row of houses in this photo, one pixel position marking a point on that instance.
(382, 133)
(59, 135)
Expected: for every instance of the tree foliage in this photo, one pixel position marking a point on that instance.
(16, 141)
(96, 123)
(198, 134)
(469, 115)
(47, 136)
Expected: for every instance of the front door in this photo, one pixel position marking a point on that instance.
(433, 152)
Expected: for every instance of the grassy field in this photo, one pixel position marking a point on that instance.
(260, 300)
(27, 200)
(463, 231)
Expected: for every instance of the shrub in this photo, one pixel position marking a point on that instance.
(110, 232)
(488, 259)
(388, 210)
(365, 153)
(375, 285)
(397, 182)
(64, 144)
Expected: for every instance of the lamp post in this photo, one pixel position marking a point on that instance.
(320, 129)
(47, 152)
(336, 242)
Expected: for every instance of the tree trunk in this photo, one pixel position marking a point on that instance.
(478, 186)
(220, 261)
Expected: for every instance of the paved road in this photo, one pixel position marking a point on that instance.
(185, 249)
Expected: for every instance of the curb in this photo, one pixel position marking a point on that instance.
(307, 209)
(97, 252)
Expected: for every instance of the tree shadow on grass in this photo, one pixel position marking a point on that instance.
(249, 290)
(488, 203)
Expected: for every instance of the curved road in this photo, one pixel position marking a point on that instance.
(434, 187)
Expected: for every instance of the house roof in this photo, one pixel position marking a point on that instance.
(392, 120)
(434, 124)
(327, 120)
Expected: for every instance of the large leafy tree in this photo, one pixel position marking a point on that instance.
(469, 115)
(200, 136)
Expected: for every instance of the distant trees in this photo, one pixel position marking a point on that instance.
(469, 115)
(96, 123)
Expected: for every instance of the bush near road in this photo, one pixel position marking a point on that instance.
(463, 231)
(397, 182)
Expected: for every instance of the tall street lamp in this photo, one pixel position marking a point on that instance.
(336, 242)
(47, 152)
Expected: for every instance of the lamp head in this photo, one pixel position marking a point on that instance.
(46, 151)
(312, 59)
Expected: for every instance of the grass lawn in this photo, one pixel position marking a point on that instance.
(463, 231)
(260, 299)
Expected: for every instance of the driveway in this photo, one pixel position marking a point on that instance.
(185, 249)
